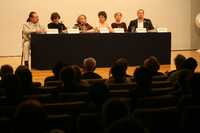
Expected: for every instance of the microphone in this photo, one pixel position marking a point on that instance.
(133, 29)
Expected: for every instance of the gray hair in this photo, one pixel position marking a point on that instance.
(89, 64)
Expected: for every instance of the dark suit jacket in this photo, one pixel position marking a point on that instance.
(134, 24)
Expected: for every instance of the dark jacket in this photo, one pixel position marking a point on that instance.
(134, 24)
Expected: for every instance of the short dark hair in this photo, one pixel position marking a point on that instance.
(67, 74)
(118, 71)
(57, 68)
(123, 61)
(6, 69)
(54, 15)
(190, 64)
(142, 75)
(179, 59)
(102, 13)
(152, 64)
(24, 76)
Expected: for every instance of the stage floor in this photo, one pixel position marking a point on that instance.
(39, 75)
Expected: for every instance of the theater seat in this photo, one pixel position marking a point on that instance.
(121, 86)
(157, 101)
(161, 84)
(37, 84)
(94, 81)
(64, 122)
(164, 91)
(191, 117)
(89, 123)
(53, 83)
(160, 78)
(155, 118)
(66, 107)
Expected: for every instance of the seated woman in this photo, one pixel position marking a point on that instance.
(153, 65)
(118, 24)
(102, 22)
(118, 73)
(83, 25)
(56, 24)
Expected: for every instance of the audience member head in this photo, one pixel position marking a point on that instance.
(33, 17)
(30, 117)
(190, 64)
(82, 19)
(10, 84)
(118, 71)
(67, 75)
(143, 77)
(57, 68)
(98, 93)
(24, 76)
(77, 72)
(55, 17)
(118, 17)
(6, 69)
(114, 110)
(124, 62)
(184, 80)
(140, 14)
(179, 59)
(89, 64)
(152, 64)
(71, 74)
(102, 16)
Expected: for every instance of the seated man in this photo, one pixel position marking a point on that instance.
(179, 59)
(56, 72)
(89, 65)
(140, 22)
(32, 26)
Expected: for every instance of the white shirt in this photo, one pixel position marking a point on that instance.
(103, 26)
(29, 28)
(140, 24)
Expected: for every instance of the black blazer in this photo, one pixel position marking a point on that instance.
(134, 24)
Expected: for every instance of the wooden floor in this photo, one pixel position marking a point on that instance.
(39, 76)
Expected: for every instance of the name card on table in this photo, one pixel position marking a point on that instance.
(118, 30)
(73, 31)
(141, 30)
(52, 31)
(162, 29)
(104, 30)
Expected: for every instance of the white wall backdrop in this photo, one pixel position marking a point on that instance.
(173, 14)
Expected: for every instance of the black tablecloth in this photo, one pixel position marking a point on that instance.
(47, 49)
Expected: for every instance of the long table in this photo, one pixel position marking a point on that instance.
(47, 49)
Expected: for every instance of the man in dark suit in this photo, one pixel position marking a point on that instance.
(140, 22)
